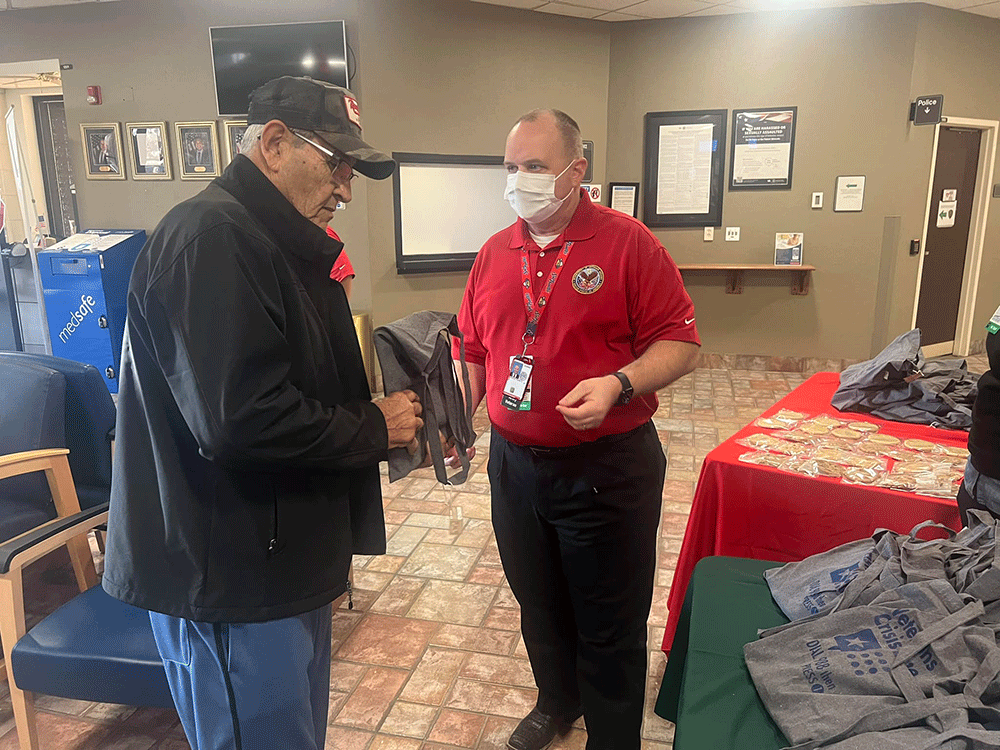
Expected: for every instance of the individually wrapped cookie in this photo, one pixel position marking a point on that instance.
(922, 446)
(788, 448)
(900, 482)
(865, 427)
(869, 463)
(883, 440)
(814, 467)
(763, 458)
(796, 436)
(760, 441)
(846, 433)
(858, 475)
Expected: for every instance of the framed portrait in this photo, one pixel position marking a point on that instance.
(148, 150)
(233, 131)
(102, 150)
(683, 179)
(197, 150)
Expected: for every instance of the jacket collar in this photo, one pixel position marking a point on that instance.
(291, 230)
(582, 226)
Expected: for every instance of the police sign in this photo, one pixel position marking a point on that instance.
(926, 110)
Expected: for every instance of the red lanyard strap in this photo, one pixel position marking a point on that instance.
(532, 308)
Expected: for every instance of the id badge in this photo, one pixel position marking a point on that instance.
(517, 390)
(994, 325)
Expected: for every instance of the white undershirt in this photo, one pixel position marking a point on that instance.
(542, 240)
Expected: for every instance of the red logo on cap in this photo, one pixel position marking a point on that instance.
(353, 110)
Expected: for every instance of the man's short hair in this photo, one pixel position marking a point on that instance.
(568, 129)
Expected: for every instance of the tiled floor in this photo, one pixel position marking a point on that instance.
(431, 657)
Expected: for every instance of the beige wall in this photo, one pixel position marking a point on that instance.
(451, 77)
(152, 59)
(957, 54)
(852, 99)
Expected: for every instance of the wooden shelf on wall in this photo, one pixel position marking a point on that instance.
(734, 274)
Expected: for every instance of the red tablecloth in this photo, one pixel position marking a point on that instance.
(744, 510)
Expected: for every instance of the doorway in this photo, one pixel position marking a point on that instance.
(57, 173)
(954, 227)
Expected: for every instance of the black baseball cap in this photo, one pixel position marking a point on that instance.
(330, 111)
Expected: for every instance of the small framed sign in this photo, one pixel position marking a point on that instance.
(625, 197)
(147, 146)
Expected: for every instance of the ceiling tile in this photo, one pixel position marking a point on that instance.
(529, 4)
(719, 10)
(668, 8)
(570, 10)
(610, 4)
(616, 16)
(770, 5)
(959, 4)
(990, 9)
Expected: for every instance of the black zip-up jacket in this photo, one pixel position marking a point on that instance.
(247, 446)
(984, 438)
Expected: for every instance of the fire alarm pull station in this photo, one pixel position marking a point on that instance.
(93, 94)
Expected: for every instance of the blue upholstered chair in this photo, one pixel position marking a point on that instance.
(93, 648)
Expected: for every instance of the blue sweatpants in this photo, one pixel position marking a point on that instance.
(249, 686)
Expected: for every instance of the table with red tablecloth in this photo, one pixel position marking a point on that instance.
(745, 510)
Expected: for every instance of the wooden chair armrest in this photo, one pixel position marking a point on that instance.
(15, 464)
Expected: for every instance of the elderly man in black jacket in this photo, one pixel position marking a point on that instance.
(248, 445)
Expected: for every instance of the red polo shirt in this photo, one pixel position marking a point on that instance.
(342, 268)
(619, 293)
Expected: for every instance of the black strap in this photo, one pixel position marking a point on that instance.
(224, 664)
(24, 542)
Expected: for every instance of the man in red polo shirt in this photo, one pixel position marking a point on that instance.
(573, 318)
(342, 270)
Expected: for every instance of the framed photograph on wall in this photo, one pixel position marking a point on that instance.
(763, 149)
(624, 197)
(148, 150)
(102, 150)
(197, 150)
(684, 178)
(233, 131)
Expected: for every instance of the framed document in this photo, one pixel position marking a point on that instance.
(763, 149)
(624, 197)
(683, 182)
(147, 146)
(850, 195)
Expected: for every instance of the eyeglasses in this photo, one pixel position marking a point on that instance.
(333, 160)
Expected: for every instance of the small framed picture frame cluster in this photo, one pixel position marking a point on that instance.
(147, 149)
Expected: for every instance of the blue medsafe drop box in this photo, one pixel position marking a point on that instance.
(85, 280)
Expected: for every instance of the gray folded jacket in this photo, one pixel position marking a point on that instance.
(415, 354)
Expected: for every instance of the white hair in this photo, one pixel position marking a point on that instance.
(250, 138)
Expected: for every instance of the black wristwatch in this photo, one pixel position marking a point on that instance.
(627, 390)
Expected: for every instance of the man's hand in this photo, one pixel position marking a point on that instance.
(402, 412)
(447, 448)
(586, 406)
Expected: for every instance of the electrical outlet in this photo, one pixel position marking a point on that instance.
(817, 200)
(709, 234)
(732, 234)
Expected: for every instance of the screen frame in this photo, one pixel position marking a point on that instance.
(215, 76)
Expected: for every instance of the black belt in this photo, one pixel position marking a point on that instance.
(583, 449)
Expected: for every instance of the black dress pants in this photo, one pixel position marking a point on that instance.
(577, 532)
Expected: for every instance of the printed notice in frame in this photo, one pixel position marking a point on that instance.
(684, 180)
(850, 194)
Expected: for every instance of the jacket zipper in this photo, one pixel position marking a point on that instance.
(272, 547)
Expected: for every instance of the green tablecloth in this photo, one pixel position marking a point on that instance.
(707, 691)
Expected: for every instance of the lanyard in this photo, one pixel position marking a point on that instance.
(532, 308)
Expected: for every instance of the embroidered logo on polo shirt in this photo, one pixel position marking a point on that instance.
(588, 279)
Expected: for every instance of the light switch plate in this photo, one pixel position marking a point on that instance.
(732, 234)
(709, 234)
(817, 200)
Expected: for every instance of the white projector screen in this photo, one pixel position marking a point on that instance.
(446, 208)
